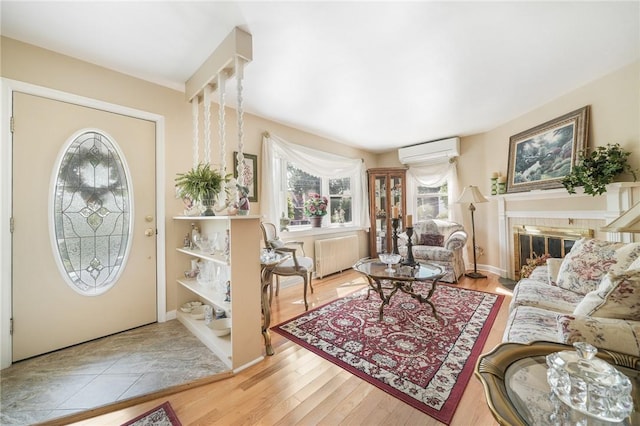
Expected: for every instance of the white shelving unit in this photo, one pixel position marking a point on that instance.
(243, 346)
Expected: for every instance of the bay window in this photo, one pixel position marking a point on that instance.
(290, 173)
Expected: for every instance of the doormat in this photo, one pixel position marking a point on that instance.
(411, 355)
(162, 415)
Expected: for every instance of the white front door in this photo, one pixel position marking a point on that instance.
(63, 290)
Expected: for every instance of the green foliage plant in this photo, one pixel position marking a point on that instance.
(598, 169)
(200, 183)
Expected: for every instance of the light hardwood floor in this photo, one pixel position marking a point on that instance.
(296, 386)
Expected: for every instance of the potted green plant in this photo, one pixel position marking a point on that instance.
(598, 169)
(201, 183)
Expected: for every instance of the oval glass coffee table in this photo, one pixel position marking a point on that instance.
(386, 283)
(514, 377)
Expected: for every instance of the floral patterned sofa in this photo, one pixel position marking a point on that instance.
(440, 242)
(592, 295)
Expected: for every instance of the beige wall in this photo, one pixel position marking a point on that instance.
(27, 63)
(615, 112)
(615, 117)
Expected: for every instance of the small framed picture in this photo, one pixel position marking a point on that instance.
(250, 173)
(540, 157)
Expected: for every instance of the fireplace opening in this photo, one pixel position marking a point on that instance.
(536, 241)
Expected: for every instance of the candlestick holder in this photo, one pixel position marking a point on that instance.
(394, 224)
(409, 260)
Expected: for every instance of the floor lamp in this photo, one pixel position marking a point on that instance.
(471, 195)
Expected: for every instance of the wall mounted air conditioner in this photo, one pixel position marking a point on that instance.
(430, 152)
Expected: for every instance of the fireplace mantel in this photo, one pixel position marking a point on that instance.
(618, 199)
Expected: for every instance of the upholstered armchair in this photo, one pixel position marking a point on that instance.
(440, 242)
(297, 265)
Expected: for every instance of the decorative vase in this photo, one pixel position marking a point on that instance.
(208, 204)
(316, 221)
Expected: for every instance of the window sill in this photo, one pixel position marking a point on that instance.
(306, 231)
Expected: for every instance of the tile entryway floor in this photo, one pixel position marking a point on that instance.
(103, 371)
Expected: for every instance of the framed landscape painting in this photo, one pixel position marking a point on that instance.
(540, 157)
(250, 173)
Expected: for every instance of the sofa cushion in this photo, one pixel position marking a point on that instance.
(635, 264)
(539, 273)
(531, 292)
(603, 333)
(432, 240)
(430, 253)
(589, 260)
(528, 324)
(618, 296)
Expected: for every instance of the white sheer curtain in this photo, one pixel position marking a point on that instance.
(318, 163)
(434, 175)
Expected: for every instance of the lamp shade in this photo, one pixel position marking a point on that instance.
(471, 194)
(628, 221)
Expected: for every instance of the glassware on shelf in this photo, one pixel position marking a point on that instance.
(389, 259)
(206, 243)
(206, 275)
(589, 385)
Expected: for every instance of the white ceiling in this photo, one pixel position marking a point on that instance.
(374, 75)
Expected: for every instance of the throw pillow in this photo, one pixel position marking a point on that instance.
(432, 240)
(404, 238)
(618, 296)
(603, 333)
(553, 267)
(589, 260)
(277, 243)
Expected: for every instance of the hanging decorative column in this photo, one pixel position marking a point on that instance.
(221, 124)
(195, 124)
(206, 156)
(227, 60)
(243, 185)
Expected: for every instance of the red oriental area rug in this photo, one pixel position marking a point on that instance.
(422, 361)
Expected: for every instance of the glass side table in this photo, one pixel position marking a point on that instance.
(514, 377)
(387, 284)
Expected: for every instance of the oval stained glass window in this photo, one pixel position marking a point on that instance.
(92, 213)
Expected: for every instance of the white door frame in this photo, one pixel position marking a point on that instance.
(9, 86)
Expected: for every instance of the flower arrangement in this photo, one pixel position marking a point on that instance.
(315, 205)
(532, 263)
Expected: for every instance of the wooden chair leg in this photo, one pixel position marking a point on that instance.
(277, 285)
(306, 305)
(310, 283)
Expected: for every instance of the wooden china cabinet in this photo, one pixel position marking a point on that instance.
(387, 188)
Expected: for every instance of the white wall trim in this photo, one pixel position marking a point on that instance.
(8, 87)
(554, 214)
(618, 199)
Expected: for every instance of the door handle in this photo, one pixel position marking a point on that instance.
(149, 232)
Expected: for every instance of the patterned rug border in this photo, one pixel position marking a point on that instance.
(449, 407)
(165, 407)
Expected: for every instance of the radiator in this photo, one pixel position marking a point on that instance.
(336, 254)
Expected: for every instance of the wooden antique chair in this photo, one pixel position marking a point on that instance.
(297, 265)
